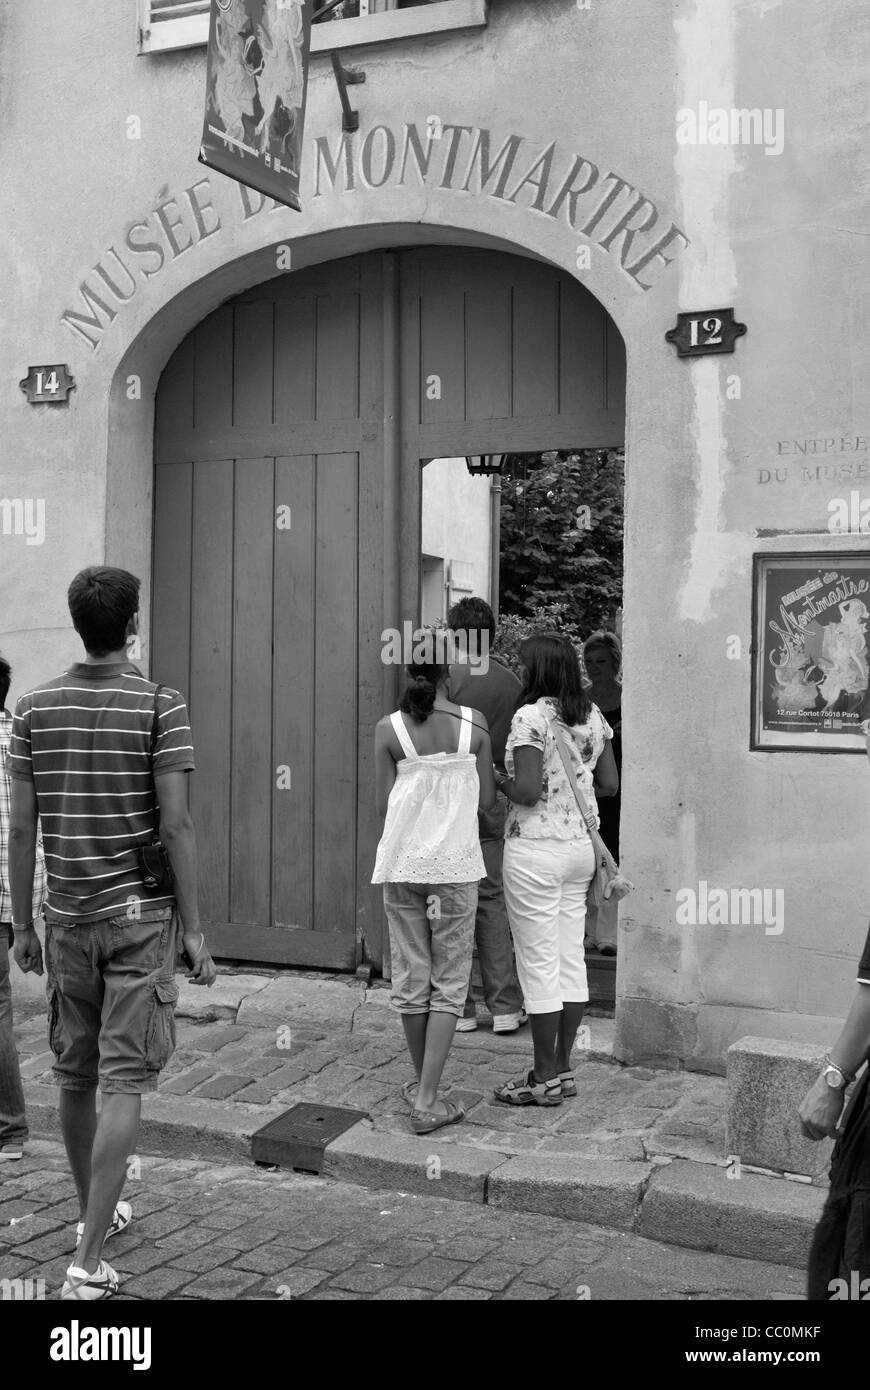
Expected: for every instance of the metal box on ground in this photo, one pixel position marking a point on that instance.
(298, 1138)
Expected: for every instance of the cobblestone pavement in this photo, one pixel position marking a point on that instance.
(277, 1042)
(207, 1231)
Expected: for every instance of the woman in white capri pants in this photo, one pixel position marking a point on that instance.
(548, 857)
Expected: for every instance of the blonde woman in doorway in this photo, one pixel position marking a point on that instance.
(548, 856)
(602, 655)
(433, 764)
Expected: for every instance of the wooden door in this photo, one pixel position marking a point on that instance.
(501, 354)
(290, 427)
(266, 503)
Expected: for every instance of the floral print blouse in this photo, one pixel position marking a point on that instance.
(555, 815)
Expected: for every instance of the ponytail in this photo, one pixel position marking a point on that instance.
(424, 671)
(419, 697)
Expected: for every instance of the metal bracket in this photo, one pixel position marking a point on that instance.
(346, 77)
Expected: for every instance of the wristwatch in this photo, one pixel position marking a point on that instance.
(23, 926)
(835, 1077)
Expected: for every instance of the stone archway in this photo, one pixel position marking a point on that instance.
(541, 363)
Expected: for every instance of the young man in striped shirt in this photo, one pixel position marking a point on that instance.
(81, 760)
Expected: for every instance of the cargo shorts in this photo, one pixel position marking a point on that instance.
(111, 1000)
(431, 945)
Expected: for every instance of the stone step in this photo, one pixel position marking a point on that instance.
(674, 1201)
(699, 1206)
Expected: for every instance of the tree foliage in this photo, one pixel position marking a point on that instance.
(513, 629)
(561, 535)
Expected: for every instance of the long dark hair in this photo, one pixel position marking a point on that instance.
(419, 697)
(552, 669)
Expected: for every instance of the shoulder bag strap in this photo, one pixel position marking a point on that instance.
(155, 734)
(600, 847)
(570, 772)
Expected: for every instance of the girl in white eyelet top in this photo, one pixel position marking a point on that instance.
(433, 763)
(431, 835)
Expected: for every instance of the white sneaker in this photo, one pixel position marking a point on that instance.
(466, 1025)
(80, 1285)
(120, 1221)
(509, 1023)
(12, 1152)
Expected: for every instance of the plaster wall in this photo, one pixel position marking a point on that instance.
(782, 237)
(455, 520)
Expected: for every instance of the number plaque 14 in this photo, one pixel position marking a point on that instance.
(47, 384)
(705, 331)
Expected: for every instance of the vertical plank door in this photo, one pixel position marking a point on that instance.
(258, 510)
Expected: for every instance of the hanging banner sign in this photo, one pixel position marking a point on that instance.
(255, 93)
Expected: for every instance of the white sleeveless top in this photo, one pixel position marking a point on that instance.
(430, 833)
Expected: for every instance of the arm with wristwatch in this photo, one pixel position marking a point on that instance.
(822, 1106)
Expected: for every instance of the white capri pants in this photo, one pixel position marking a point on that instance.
(545, 883)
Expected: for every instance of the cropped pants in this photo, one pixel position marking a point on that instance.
(545, 884)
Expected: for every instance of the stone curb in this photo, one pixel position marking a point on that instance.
(753, 1217)
(182, 1128)
(605, 1192)
(682, 1202)
(426, 1164)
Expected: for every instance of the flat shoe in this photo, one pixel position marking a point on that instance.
(569, 1086)
(409, 1091)
(425, 1121)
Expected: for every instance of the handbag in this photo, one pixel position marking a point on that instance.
(608, 882)
(154, 864)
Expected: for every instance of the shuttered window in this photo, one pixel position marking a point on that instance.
(168, 24)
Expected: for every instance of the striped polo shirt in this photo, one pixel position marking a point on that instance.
(84, 740)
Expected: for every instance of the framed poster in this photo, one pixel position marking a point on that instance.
(811, 646)
(256, 81)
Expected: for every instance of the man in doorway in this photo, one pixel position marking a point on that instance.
(98, 754)
(495, 691)
(13, 1124)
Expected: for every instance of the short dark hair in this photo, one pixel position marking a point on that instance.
(472, 615)
(553, 669)
(5, 681)
(102, 601)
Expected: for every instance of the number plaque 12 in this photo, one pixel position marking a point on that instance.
(705, 331)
